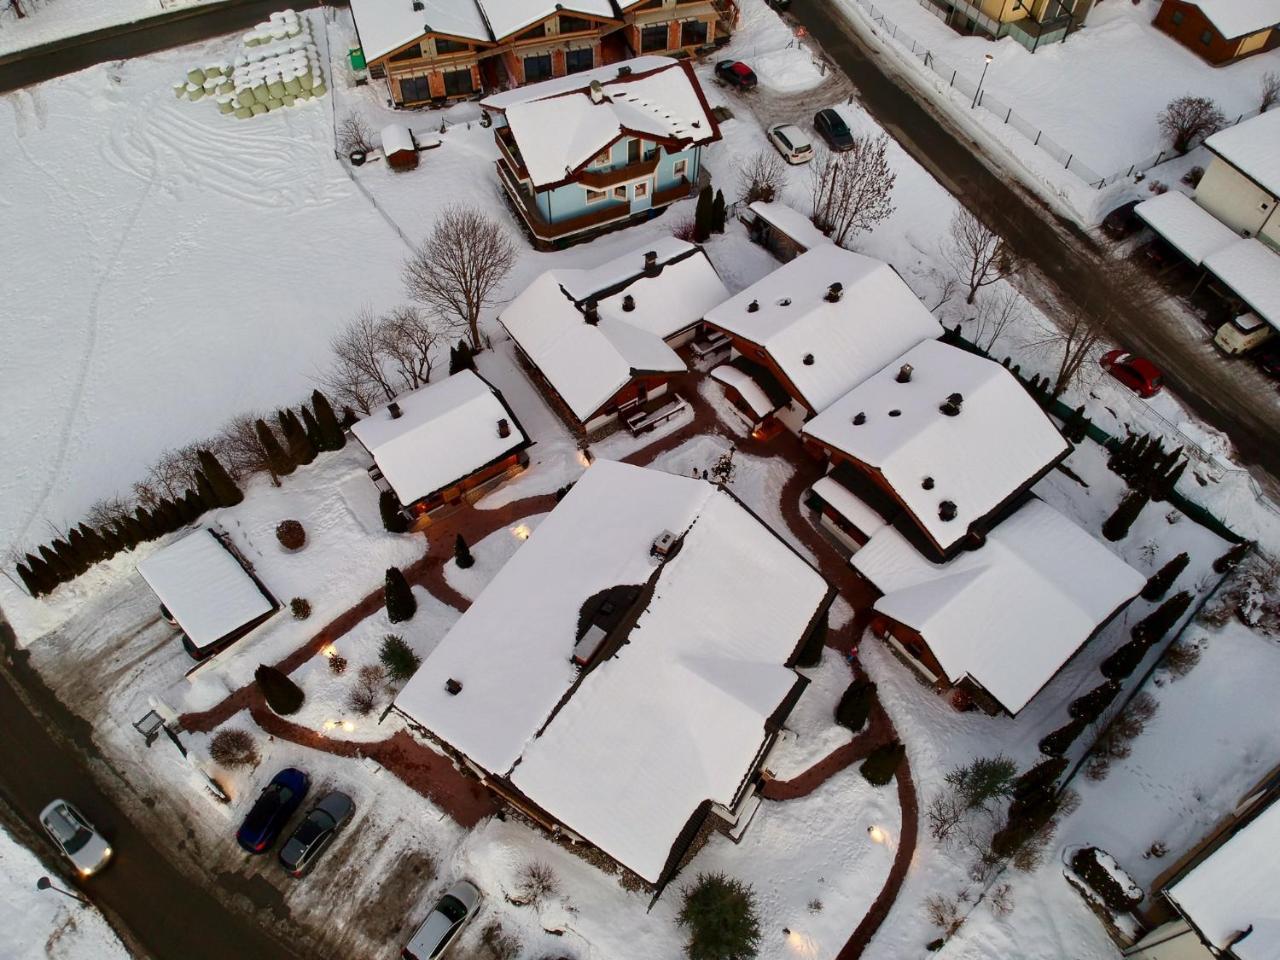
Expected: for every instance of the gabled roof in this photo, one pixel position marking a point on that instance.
(508, 17)
(386, 25)
(1252, 270)
(1189, 227)
(447, 430)
(1236, 18)
(998, 443)
(677, 715)
(559, 128)
(791, 222)
(876, 319)
(673, 300)
(204, 587)
(1010, 613)
(1253, 147)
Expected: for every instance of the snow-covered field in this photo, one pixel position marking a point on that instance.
(49, 20)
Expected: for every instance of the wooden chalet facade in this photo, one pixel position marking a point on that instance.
(1217, 39)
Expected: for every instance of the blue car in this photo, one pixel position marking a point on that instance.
(272, 810)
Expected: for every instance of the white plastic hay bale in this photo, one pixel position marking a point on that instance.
(194, 92)
(195, 75)
(259, 109)
(260, 94)
(306, 81)
(224, 106)
(293, 30)
(180, 90)
(226, 87)
(292, 86)
(319, 89)
(274, 104)
(241, 61)
(289, 99)
(210, 85)
(213, 70)
(276, 88)
(243, 113)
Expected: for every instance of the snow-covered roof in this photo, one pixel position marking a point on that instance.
(1252, 270)
(748, 389)
(585, 363)
(1189, 227)
(1253, 146)
(1235, 888)
(850, 506)
(674, 300)
(876, 319)
(385, 25)
(573, 81)
(1235, 18)
(511, 16)
(446, 431)
(582, 283)
(558, 129)
(396, 137)
(677, 715)
(998, 442)
(204, 587)
(1010, 613)
(791, 222)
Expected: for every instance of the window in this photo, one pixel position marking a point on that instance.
(457, 83)
(653, 38)
(408, 53)
(640, 190)
(444, 46)
(575, 61)
(595, 196)
(680, 168)
(533, 32)
(633, 151)
(620, 193)
(1178, 17)
(1207, 37)
(537, 68)
(413, 89)
(693, 33)
(574, 24)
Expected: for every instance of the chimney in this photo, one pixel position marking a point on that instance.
(596, 91)
(904, 373)
(393, 408)
(624, 71)
(859, 419)
(651, 264)
(951, 408)
(453, 686)
(504, 428)
(946, 510)
(835, 292)
(628, 303)
(927, 483)
(753, 306)
(808, 359)
(590, 312)
(417, 6)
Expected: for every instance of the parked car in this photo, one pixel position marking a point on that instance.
(1242, 334)
(444, 923)
(1138, 374)
(1122, 221)
(780, 5)
(736, 74)
(272, 810)
(832, 128)
(791, 143)
(1268, 359)
(76, 837)
(316, 831)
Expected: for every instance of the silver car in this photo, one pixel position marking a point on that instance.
(444, 923)
(76, 837)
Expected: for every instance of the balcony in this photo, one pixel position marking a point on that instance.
(507, 147)
(601, 179)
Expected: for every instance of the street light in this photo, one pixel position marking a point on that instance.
(977, 93)
(44, 883)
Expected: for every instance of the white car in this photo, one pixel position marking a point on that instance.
(792, 142)
(444, 923)
(76, 837)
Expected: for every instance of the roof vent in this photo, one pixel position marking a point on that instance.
(808, 359)
(453, 686)
(591, 312)
(504, 428)
(951, 408)
(393, 408)
(784, 302)
(596, 91)
(753, 306)
(904, 373)
(651, 263)
(895, 413)
(835, 292)
(624, 71)
(859, 418)
(628, 303)
(417, 6)
(946, 510)
(663, 544)
(927, 483)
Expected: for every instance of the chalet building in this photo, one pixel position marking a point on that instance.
(1222, 31)
(600, 343)
(1219, 901)
(622, 678)
(813, 329)
(444, 444)
(1032, 23)
(430, 51)
(950, 440)
(208, 591)
(997, 622)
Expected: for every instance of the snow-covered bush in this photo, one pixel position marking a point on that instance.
(855, 704)
(882, 763)
(233, 748)
(291, 534)
(720, 914)
(1104, 876)
(300, 608)
(398, 658)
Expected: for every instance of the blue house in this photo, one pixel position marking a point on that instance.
(596, 150)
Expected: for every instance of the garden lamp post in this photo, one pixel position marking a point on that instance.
(44, 883)
(978, 93)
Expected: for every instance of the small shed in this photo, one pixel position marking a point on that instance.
(782, 231)
(399, 147)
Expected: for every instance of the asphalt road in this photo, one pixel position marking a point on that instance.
(168, 915)
(1067, 256)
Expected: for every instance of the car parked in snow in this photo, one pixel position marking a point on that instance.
(444, 923)
(1122, 221)
(272, 810)
(316, 832)
(791, 142)
(736, 74)
(832, 128)
(77, 839)
(1137, 373)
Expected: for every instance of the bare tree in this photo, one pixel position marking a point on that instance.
(1187, 120)
(172, 475)
(459, 266)
(996, 313)
(410, 343)
(761, 177)
(851, 190)
(977, 254)
(1075, 336)
(239, 448)
(378, 357)
(106, 511)
(354, 134)
(1270, 91)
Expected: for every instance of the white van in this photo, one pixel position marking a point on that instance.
(1241, 334)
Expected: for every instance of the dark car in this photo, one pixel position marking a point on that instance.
(272, 810)
(832, 128)
(316, 831)
(1122, 221)
(1268, 359)
(1137, 373)
(736, 74)
(780, 5)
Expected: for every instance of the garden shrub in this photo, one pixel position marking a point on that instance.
(291, 534)
(855, 704)
(882, 763)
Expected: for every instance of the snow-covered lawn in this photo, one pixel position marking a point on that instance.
(490, 554)
(811, 732)
(49, 20)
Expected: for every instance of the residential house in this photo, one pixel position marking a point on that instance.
(207, 590)
(1241, 186)
(669, 26)
(601, 149)
(1220, 900)
(445, 443)
(950, 440)
(1222, 31)
(815, 328)
(1032, 23)
(621, 679)
(600, 343)
(997, 622)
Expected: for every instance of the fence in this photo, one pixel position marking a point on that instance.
(980, 97)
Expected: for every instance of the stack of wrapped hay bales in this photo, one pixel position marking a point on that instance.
(278, 67)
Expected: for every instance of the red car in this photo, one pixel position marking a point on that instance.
(736, 74)
(1140, 375)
